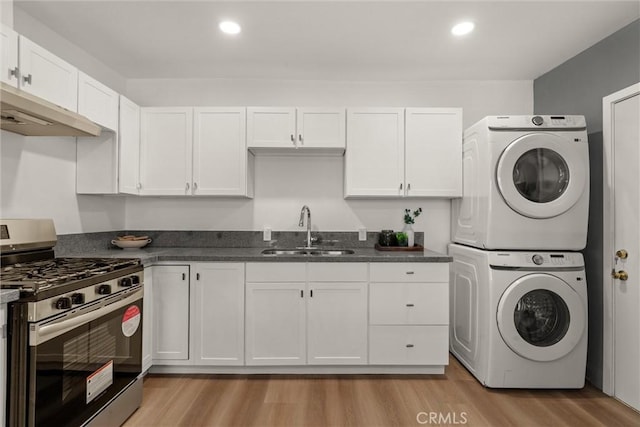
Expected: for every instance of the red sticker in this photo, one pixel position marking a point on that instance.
(131, 320)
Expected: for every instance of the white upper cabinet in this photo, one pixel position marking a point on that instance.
(433, 152)
(45, 75)
(393, 153)
(308, 129)
(97, 102)
(220, 155)
(9, 56)
(165, 151)
(374, 160)
(129, 157)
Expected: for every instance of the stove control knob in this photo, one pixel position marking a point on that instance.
(537, 259)
(63, 303)
(104, 289)
(135, 280)
(537, 120)
(126, 282)
(77, 298)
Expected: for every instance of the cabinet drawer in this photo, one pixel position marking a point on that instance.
(409, 272)
(276, 272)
(408, 345)
(409, 303)
(337, 272)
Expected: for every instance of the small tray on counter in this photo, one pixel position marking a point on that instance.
(415, 248)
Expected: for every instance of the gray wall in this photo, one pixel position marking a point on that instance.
(577, 87)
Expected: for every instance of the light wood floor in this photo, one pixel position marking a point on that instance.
(364, 400)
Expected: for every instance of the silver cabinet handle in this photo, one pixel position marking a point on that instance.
(27, 79)
(15, 72)
(139, 186)
(184, 276)
(195, 186)
(293, 139)
(401, 186)
(409, 345)
(409, 272)
(188, 186)
(197, 276)
(300, 139)
(408, 186)
(410, 305)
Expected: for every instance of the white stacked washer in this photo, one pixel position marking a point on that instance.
(519, 319)
(526, 184)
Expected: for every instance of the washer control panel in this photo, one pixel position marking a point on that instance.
(542, 260)
(569, 122)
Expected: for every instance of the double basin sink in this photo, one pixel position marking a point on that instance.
(309, 251)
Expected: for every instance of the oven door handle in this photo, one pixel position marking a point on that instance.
(42, 333)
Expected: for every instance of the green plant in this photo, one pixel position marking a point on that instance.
(402, 238)
(410, 218)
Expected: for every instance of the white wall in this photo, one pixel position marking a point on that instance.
(6, 12)
(284, 184)
(38, 178)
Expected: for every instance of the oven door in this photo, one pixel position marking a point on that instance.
(79, 362)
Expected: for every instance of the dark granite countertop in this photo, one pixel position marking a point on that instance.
(153, 255)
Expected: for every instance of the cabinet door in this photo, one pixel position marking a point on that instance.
(45, 75)
(129, 147)
(217, 314)
(220, 152)
(97, 102)
(337, 323)
(271, 127)
(165, 151)
(170, 312)
(275, 330)
(433, 152)
(374, 159)
(147, 321)
(9, 56)
(321, 128)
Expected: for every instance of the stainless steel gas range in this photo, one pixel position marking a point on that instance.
(75, 334)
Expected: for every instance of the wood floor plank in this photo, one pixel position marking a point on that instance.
(454, 399)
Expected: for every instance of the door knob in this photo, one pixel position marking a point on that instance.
(621, 275)
(622, 254)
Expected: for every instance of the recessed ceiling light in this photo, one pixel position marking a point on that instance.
(229, 27)
(462, 28)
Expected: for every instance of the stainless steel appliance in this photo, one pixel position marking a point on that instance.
(75, 334)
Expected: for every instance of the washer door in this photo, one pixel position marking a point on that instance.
(541, 175)
(540, 317)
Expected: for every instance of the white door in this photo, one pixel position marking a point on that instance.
(9, 56)
(621, 130)
(45, 75)
(97, 102)
(165, 151)
(337, 323)
(321, 128)
(217, 314)
(374, 159)
(170, 312)
(541, 175)
(219, 152)
(271, 127)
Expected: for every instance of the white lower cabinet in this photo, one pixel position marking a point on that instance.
(409, 314)
(217, 313)
(147, 320)
(170, 314)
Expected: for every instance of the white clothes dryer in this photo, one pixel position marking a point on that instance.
(525, 184)
(519, 319)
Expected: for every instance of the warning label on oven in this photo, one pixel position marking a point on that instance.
(98, 381)
(131, 320)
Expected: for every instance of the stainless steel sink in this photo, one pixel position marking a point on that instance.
(333, 252)
(313, 252)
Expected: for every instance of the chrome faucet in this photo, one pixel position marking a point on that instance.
(301, 223)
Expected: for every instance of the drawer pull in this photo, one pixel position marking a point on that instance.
(410, 305)
(409, 345)
(409, 272)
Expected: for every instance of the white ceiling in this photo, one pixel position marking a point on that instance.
(333, 40)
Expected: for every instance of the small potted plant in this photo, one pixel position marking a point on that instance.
(409, 220)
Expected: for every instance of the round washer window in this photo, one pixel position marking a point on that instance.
(541, 175)
(541, 317)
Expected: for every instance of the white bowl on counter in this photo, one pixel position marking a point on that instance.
(131, 244)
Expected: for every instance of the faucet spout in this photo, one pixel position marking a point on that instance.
(301, 223)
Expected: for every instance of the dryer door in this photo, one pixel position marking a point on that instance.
(540, 317)
(541, 175)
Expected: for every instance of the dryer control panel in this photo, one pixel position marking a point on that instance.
(536, 122)
(542, 260)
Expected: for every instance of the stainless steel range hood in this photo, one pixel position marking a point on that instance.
(30, 115)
